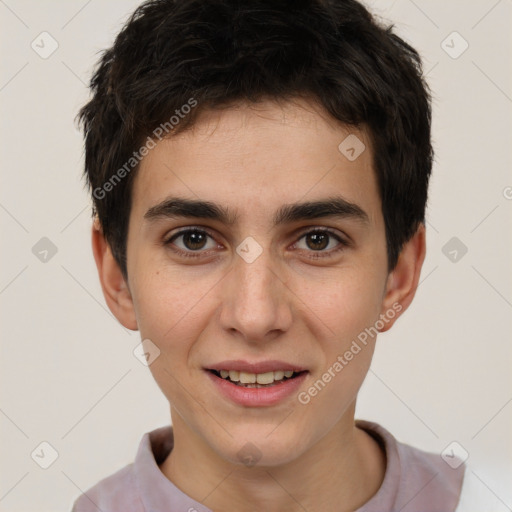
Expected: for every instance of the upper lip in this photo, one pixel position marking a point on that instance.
(255, 367)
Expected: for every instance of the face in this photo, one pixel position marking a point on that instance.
(281, 271)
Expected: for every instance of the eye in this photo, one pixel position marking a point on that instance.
(192, 242)
(318, 239)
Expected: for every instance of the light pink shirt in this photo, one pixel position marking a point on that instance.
(415, 481)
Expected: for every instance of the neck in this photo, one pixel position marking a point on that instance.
(342, 471)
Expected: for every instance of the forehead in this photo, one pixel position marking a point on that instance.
(254, 158)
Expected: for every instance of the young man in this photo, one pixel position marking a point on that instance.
(259, 172)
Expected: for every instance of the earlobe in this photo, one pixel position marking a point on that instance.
(114, 286)
(403, 280)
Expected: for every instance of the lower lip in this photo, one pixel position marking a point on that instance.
(257, 397)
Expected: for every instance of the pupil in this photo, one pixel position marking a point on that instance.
(321, 239)
(194, 240)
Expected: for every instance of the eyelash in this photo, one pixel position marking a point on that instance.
(343, 244)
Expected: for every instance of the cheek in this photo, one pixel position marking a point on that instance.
(169, 311)
(349, 309)
(348, 304)
(167, 302)
(173, 309)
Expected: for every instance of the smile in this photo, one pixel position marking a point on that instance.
(262, 384)
(255, 380)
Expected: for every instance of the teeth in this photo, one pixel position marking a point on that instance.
(255, 378)
(247, 378)
(265, 378)
(278, 375)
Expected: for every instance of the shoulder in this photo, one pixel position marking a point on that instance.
(131, 488)
(437, 484)
(415, 480)
(421, 465)
(115, 492)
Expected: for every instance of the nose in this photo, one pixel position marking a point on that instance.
(256, 302)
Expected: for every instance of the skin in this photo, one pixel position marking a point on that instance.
(285, 305)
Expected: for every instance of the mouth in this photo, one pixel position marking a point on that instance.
(246, 379)
(256, 384)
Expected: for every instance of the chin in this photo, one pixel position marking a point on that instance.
(262, 448)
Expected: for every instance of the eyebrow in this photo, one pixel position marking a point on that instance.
(332, 207)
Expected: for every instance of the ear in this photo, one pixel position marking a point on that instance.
(403, 280)
(113, 283)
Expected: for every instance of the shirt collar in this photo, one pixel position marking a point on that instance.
(159, 494)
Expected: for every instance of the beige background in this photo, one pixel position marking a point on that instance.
(68, 374)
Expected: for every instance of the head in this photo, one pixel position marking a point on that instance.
(256, 123)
